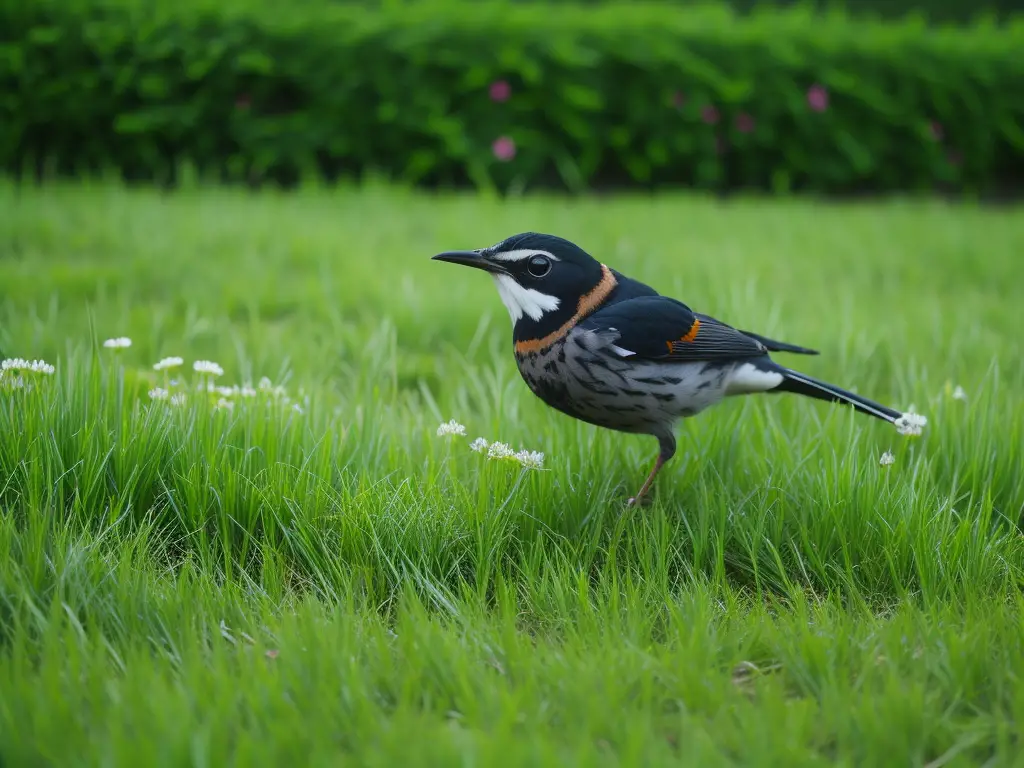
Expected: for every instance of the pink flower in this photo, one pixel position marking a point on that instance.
(709, 114)
(504, 148)
(817, 98)
(744, 123)
(935, 129)
(500, 90)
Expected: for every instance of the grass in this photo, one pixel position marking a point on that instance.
(200, 585)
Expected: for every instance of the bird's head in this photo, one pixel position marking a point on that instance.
(546, 282)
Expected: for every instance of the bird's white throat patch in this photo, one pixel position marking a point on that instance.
(523, 301)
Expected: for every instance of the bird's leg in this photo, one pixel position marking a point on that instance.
(667, 449)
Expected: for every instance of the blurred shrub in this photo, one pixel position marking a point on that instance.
(933, 11)
(513, 94)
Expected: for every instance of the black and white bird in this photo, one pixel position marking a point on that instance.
(611, 351)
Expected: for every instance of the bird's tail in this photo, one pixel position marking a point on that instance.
(802, 384)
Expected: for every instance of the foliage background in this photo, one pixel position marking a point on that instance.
(512, 95)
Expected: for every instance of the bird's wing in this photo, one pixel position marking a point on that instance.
(663, 329)
(777, 346)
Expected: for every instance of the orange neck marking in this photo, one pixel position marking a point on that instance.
(588, 303)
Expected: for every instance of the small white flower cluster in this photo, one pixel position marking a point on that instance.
(232, 391)
(910, 423)
(167, 363)
(886, 459)
(451, 428)
(13, 371)
(159, 393)
(226, 396)
(121, 342)
(207, 367)
(496, 450)
(26, 366)
(959, 394)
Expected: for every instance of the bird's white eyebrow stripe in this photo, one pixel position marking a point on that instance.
(521, 253)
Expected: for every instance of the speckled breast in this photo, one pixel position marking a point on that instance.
(581, 376)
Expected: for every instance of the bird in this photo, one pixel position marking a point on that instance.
(611, 351)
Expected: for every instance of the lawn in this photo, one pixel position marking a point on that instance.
(305, 571)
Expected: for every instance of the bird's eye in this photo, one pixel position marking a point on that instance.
(538, 265)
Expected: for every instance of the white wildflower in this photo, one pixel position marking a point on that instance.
(451, 428)
(500, 451)
(910, 423)
(159, 393)
(247, 391)
(266, 386)
(167, 363)
(207, 366)
(959, 394)
(178, 399)
(225, 404)
(121, 342)
(298, 408)
(226, 391)
(886, 459)
(479, 445)
(530, 459)
(32, 366)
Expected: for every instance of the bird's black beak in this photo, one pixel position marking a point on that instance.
(471, 259)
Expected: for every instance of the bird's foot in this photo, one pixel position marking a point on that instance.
(639, 501)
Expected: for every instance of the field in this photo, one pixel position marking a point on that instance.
(324, 579)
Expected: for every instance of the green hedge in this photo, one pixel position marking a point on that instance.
(933, 11)
(608, 95)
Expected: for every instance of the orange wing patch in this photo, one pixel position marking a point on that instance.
(687, 337)
(692, 333)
